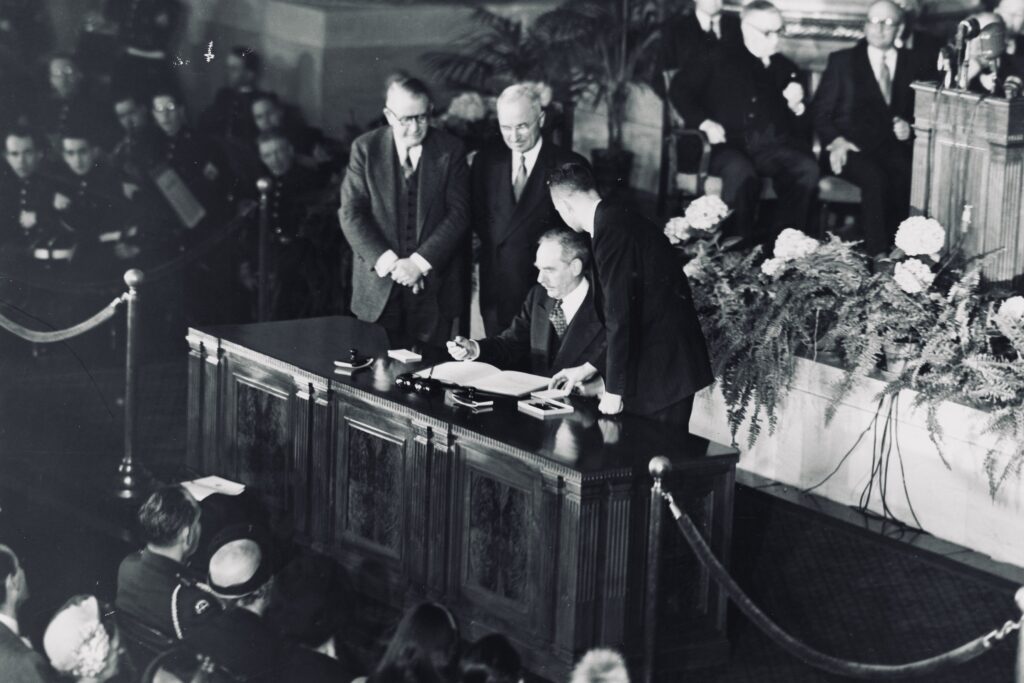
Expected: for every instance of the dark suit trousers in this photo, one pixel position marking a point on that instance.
(677, 414)
(410, 319)
(884, 182)
(794, 175)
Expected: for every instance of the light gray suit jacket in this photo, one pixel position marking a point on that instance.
(369, 218)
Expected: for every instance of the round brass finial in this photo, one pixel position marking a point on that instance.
(263, 184)
(659, 466)
(134, 277)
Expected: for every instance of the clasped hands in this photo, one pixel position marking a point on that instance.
(406, 273)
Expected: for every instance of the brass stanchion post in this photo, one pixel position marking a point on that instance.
(1019, 675)
(129, 475)
(658, 467)
(262, 303)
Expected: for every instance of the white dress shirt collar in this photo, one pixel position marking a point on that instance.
(10, 623)
(531, 159)
(875, 56)
(572, 301)
(705, 20)
(414, 153)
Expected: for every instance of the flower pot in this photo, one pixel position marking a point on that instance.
(897, 356)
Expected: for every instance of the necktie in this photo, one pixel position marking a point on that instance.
(407, 168)
(716, 27)
(885, 80)
(519, 182)
(557, 317)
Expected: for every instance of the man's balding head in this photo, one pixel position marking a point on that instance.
(762, 25)
(884, 24)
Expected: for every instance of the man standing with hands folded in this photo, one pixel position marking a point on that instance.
(656, 357)
(405, 212)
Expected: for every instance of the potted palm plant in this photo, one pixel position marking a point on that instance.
(603, 48)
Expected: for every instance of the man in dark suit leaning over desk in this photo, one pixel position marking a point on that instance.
(656, 356)
(405, 212)
(558, 325)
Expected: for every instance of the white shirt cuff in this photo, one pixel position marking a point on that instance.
(385, 263)
(421, 263)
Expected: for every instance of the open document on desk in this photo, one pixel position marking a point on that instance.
(486, 377)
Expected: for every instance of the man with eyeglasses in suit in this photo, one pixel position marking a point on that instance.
(862, 111)
(405, 213)
(748, 101)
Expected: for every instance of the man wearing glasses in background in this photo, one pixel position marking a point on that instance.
(511, 206)
(749, 103)
(405, 213)
(862, 113)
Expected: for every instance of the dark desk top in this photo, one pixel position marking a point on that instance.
(584, 441)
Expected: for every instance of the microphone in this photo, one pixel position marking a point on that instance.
(1012, 87)
(990, 44)
(965, 30)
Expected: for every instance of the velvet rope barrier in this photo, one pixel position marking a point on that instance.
(51, 337)
(964, 653)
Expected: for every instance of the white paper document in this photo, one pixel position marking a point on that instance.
(486, 377)
(206, 486)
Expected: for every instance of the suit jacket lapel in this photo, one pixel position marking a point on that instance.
(866, 75)
(430, 169)
(384, 171)
(901, 79)
(585, 325)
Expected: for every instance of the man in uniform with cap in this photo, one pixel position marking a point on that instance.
(26, 198)
(240, 639)
(153, 585)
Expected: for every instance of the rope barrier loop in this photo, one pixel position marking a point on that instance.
(868, 671)
(51, 337)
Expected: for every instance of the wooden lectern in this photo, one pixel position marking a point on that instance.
(968, 162)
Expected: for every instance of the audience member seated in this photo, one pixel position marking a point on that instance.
(1012, 13)
(425, 648)
(193, 156)
(600, 666)
(240, 639)
(312, 149)
(184, 665)
(83, 643)
(93, 201)
(311, 607)
(695, 35)
(492, 659)
(26, 196)
(863, 111)
(136, 122)
(153, 585)
(749, 103)
(68, 99)
(230, 114)
(292, 251)
(559, 325)
(19, 663)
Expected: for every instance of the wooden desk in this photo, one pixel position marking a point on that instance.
(533, 528)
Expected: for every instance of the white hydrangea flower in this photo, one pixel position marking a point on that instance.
(772, 266)
(1012, 310)
(677, 229)
(705, 213)
(692, 269)
(920, 236)
(469, 106)
(913, 276)
(792, 244)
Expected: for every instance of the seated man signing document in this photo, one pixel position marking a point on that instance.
(558, 325)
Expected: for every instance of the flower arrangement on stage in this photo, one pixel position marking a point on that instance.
(471, 117)
(923, 310)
